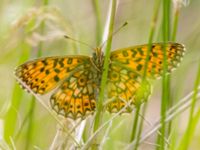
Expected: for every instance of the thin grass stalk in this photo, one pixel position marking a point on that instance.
(135, 123)
(173, 38)
(151, 34)
(30, 124)
(21, 128)
(97, 12)
(175, 24)
(184, 144)
(53, 145)
(13, 144)
(141, 121)
(106, 135)
(151, 125)
(98, 21)
(166, 78)
(111, 19)
(62, 140)
(5, 146)
(150, 40)
(171, 113)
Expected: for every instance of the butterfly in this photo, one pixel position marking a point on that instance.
(75, 80)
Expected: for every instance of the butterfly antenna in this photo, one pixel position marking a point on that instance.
(75, 40)
(115, 32)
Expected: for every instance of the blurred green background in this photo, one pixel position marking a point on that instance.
(27, 26)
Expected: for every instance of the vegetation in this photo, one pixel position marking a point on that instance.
(31, 29)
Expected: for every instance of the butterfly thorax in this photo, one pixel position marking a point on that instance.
(98, 59)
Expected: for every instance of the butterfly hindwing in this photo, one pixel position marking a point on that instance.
(76, 97)
(135, 57)
(125, 86)
(43, 75)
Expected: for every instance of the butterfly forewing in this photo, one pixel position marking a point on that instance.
(43, 75)
(135, 57)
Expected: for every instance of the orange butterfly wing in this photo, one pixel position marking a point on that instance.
(125, 87)
(71, 75)
(43, 75)
(125, 80)
(135, 57)
(76, 97)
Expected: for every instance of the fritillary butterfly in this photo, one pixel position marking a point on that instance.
(76, 79)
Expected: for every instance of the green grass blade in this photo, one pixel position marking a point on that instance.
(165, 78)
(187, 137)
(105, 66)
(135, 124)
(11, 116)
(179, 88)
(98, 21)
(135, 128)
(141, 121)
(111, 19)
(175, 24)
